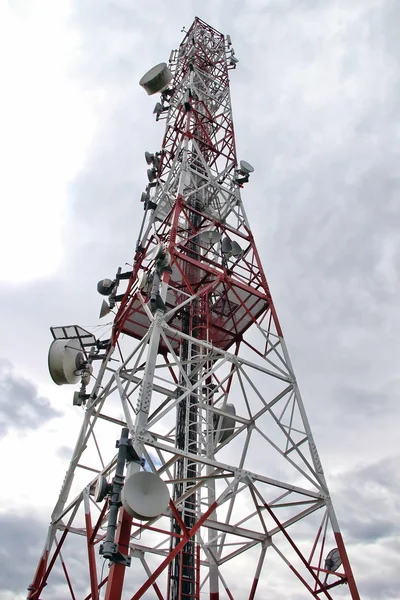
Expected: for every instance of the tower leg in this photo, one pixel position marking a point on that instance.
(347, 567)
(116, 576)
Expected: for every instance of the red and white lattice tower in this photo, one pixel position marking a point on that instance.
(222, 486)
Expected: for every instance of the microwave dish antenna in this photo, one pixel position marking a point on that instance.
(245, 167)
(333, 560)
(143, 279)
(105, 309)
(149, 158)
(105, 287)
(226, 246)
(227, 424)
(236, 250)
(212, 236)
(102, 488)
(155, 253)
(145, 495)
(65, 361)
(157, 79)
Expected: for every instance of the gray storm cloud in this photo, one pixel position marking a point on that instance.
(22, 408)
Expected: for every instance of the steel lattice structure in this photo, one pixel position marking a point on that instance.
(195, 332)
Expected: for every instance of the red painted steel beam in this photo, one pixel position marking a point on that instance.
(347, 568)
(299, 554)
(67, 577)
(172, 554)
(51, 564)
(91, 553)
(252, 594)
(197, 572)
(332, 585)
(103, 582)
(116, 575)
(41, 568)
(98, 522)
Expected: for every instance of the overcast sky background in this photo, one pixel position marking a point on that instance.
(316, 108)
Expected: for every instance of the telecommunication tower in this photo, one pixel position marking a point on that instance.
(216, 482)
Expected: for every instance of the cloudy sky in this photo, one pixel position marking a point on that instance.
(316, 107)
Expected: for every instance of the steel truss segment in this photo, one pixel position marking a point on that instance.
(197, 369)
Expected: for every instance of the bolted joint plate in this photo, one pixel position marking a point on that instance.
(110, 551)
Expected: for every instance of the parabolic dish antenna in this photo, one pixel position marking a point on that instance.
(155, 253)
(142, 281)
(215, 236)
(105, 287)
(101, 489)
(333, 560)
(145, 495)
(151, 175)
(156, 79)
(246, 167)
(65, 361)
(236, 249)
(148, 157)
(226, 246)
(210, 237)
(104, 309)
(227, 424)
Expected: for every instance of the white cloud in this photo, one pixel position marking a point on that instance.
(46, 125)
